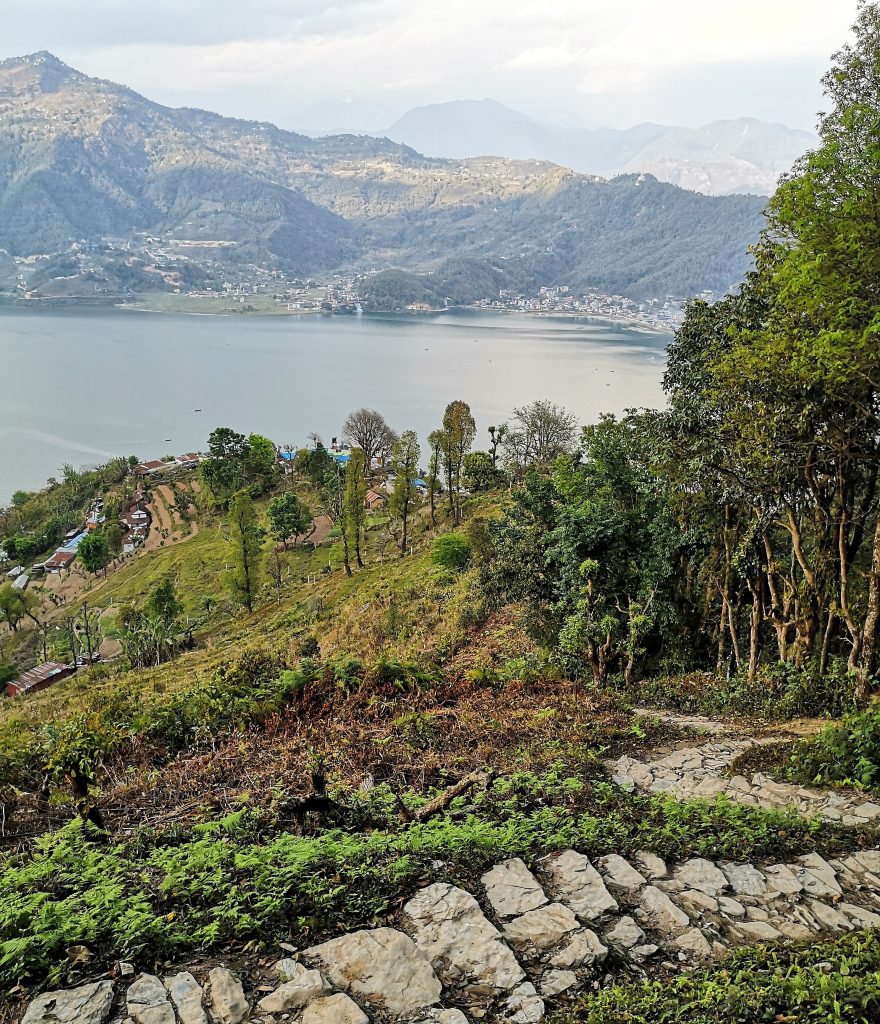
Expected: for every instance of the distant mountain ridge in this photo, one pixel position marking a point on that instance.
(82, 158)
(721, 158)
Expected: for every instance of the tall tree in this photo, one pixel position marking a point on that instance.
(367, 430)
(94, 551)
(354, 514)
(539, 433)
(245, 550)
(455, 440)
(404, 497)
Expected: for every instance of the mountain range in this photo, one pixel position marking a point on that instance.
(82, 158)
(721, 158)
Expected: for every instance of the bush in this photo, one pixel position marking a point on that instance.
(847, 752)
(451, 551)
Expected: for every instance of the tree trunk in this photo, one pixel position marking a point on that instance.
(868, 660)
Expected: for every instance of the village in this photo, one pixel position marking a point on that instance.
(141, 526)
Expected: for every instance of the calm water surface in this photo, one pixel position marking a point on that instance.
(83, 387)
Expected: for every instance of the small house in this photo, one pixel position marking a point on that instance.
(21, 582)
(60, 561)
(374, 500)
(39, 678)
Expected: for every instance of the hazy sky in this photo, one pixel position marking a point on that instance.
(361, 63)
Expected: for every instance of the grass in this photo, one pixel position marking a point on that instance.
(832, 982)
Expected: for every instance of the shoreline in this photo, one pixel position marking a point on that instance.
(129, 307)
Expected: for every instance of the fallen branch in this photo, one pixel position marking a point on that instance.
(442, 800)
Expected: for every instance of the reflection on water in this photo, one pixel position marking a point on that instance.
(80, 386)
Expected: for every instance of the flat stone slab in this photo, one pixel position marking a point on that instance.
(579, 885)
(543, 928)
(382, 967)
(460, 942)
(512, 889)
(87, 1004)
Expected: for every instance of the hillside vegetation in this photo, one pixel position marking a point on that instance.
(366, 672)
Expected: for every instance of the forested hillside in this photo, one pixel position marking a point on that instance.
(83, 159)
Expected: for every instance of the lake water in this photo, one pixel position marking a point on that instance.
(81, 387)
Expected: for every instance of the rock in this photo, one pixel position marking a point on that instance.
(697, 901)
(554, 983)
(289, 969)
(126, 969)
(294, 994)
(336, 1009)
(693, 941)
(380, 965)
(861, 917)
(147, 1001)
(829, 917)
(87, 1004)
(757, 931)
(582, 949)
(620, 874)
(659, 909)
(780, 878)
(459, 941)
(650, 865)
(869, 860)
(643, 952)
(745, 880)
(625, 934)
(730, 907)
(226, 999)
(524, 1005)
(542, 928)
(793, 930)
(186, 997)
(579, 885)
(701, 874)
(512, 889)
(817, 876)
(444, 1017)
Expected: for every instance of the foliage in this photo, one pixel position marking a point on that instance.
(245, 550)
(231, 879)
(824, 982)
(479, 472)
(404, 497)
(94, 551)
(451, 551)
(288, 517)
(846, 752)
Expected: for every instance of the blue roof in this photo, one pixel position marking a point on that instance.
(289, 456)
(341, 457)
(73, 543)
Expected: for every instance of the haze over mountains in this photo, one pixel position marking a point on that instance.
(721, 158)
(82, 158)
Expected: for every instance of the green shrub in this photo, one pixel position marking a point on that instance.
(451, 551)
(846, 752)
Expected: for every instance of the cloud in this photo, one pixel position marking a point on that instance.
(274, 59)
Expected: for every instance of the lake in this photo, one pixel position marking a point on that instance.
(81, 387)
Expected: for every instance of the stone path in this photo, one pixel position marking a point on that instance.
(504, 953)
(701, 771)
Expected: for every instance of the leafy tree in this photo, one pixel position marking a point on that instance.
(261, 459)
(453, 442)
(538, 434)
(404, 497)
(480, 473)
(354, 514)
(163, 604)
(245, 548)
(94, 551)
(315, 463)
(224, 471)
(367, 430)
(288, 517)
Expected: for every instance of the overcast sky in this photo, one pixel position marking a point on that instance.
(361, 63)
